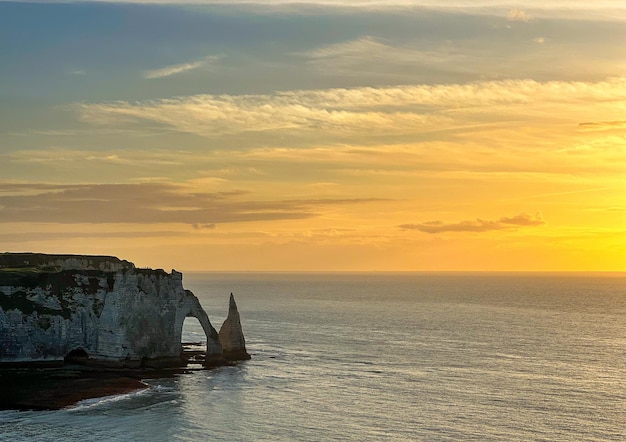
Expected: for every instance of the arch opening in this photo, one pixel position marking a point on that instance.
(193, 341)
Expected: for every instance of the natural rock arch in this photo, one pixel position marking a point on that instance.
(120, 315)
(193, 309)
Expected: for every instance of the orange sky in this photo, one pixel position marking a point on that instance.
(317, 137)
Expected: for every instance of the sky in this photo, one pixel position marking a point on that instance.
(405, 135)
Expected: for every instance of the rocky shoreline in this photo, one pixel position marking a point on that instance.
(57, 388)
(53, 389)
(27, 388)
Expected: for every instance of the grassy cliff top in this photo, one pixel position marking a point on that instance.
(43, 260)
(41, 269)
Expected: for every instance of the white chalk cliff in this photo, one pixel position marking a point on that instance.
(101, 308)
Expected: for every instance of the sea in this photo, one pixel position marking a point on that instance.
(383, 357)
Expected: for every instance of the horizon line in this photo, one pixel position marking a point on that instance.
(412, 271)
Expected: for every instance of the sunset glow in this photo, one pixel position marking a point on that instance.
(282, 136)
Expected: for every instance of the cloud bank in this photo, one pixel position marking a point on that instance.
(478, 225)
(146, 203)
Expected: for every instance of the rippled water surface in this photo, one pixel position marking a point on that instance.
(384, 357)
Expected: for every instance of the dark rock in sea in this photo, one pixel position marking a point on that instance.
(231, 335)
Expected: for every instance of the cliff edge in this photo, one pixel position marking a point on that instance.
(98, 310)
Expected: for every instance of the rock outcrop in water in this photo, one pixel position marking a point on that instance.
(97, 309)
(231, 335)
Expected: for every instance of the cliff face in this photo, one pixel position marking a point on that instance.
(99, 308)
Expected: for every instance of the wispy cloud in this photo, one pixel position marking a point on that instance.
(79, 156)
(369, 54)
(611, 10)
(35, 236)
(603, 125)
(518, 15)
(175, 69)
(478, 225)
(199, 226)
(360, 3)
(358, 50)
(400, 109)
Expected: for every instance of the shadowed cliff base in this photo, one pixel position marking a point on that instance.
(53, 389)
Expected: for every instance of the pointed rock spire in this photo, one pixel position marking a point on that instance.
(231, 335)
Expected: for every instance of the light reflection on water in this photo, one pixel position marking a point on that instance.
(384, 357)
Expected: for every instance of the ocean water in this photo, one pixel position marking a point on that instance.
(373, 357)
